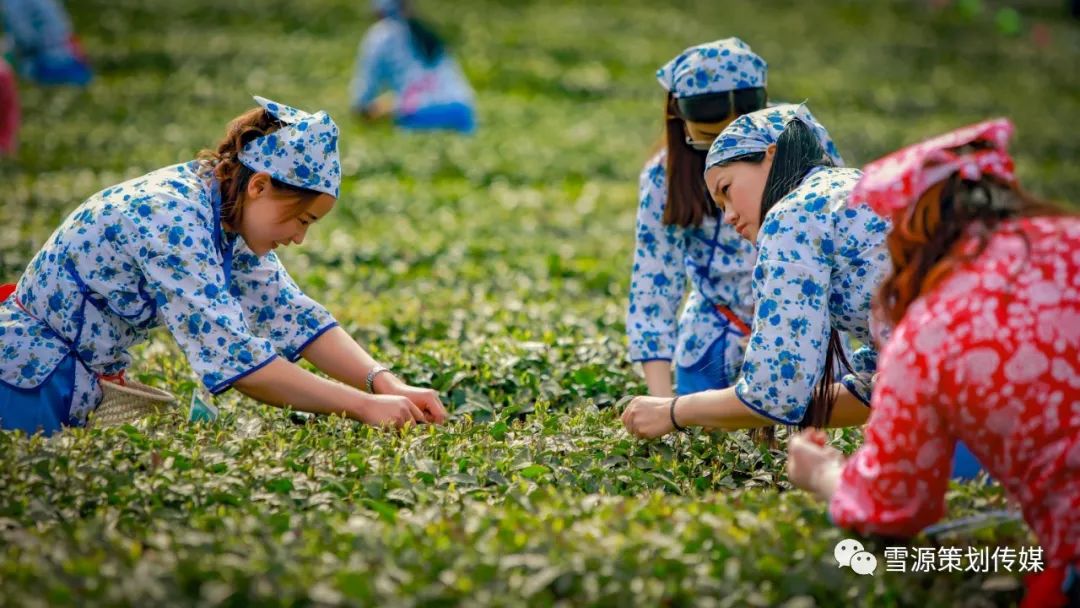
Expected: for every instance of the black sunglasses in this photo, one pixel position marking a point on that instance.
(715, 107)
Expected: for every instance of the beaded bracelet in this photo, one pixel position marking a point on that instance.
(375, 371)
(673, 423)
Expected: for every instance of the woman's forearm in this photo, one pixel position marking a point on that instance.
(337, 355)
(281, 383)
(722, 409)
(718, 409)
(824, 484)
(658, 377)
(849, 410)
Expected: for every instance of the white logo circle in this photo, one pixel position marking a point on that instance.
(845, 549)
(864, 562)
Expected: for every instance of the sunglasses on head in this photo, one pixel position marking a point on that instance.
(715, 107)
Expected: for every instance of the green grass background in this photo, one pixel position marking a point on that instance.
(494, 268)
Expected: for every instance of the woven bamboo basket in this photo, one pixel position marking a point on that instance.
(122, 404)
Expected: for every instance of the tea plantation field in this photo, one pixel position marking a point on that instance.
(495, 269)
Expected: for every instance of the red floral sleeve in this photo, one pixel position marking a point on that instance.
(895, 483)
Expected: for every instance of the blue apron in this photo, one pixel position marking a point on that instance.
(44, 408)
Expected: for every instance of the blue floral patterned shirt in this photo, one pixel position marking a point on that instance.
(716, 261)
(150, 252)
(820, 261)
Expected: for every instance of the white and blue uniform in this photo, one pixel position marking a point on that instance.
(433, 95)
(149, 252)
(711, 259)
(146, 253)
(716, 261)
(820, 262)
(37, 26)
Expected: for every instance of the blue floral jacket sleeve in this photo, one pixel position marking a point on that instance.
(791, 328)
(171, 241)
(658, 280)
(274, 305)
(811, 275)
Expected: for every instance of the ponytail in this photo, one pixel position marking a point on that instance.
(798, 151)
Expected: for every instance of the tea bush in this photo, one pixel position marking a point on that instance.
(494, 268)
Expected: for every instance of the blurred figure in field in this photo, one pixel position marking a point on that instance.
(425, 88)
(45, 48)
(9, 109)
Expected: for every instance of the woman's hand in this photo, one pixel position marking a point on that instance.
(381, 107)
(812, 465)
(648, 417)
(341, 358)
(387, 411)
(425, 399)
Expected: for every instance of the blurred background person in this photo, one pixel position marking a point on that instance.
(45, 49)
(403, 57)
(9, 109)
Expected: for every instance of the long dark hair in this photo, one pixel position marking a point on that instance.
(799, 151)
(425, 41)
(687, 202)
